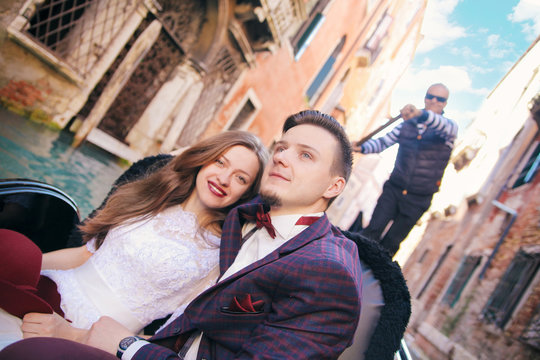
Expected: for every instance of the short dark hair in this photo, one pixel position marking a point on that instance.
(343, 161)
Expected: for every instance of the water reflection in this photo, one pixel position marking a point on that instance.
(33, 151)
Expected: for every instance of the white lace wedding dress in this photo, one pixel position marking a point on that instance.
(143, 271)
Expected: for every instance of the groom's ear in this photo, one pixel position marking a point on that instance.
(335, 188)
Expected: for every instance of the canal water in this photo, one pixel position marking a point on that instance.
(33, 151)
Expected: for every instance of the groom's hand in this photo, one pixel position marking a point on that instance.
(106, 333)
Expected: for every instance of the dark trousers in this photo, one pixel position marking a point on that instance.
(46, 348)
(404, 209)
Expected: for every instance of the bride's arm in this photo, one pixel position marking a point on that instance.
(50, 325)
(65, 258)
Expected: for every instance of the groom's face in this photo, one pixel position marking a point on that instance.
(299, 171)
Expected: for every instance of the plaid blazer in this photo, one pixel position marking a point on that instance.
(305, 295)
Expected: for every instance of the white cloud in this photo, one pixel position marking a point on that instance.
(480, 91)
(455, 77)
(527, 12)
(426, 63)
(414, 83)
(492, 39)
(498, 53)
(465, 52)
(506, 66)
(463, 117)
(480, 69)
(436, 28)
(498, 48)
(466, 115)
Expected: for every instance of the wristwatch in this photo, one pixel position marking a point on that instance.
(125, 343)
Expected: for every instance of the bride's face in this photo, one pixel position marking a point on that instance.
(222, 182)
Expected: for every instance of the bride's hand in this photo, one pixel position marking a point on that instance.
(49, 325)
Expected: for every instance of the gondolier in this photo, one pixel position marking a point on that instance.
(426, 139)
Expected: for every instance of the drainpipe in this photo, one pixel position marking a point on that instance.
(513, 213)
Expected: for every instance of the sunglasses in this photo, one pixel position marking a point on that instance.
(439, 98)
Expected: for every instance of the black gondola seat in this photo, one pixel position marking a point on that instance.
(42, 212)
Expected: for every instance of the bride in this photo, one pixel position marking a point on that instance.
(154, 246)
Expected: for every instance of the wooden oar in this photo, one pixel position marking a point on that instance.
(380, 128)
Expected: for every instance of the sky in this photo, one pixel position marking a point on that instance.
(469, 45)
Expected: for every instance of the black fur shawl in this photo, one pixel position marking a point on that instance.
(396, 311)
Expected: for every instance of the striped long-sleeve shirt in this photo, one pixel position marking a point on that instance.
(445, 127)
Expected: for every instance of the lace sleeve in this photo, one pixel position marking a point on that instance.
(91, 245)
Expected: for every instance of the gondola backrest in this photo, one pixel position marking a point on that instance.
(42, 212)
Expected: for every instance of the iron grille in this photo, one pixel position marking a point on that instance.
(78, 31)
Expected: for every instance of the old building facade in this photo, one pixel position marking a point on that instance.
(475, 274)
(138, 77)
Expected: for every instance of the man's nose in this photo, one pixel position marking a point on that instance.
(281, 157)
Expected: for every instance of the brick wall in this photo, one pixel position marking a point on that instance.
(475, 232)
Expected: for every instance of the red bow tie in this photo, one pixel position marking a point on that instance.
(262, 219)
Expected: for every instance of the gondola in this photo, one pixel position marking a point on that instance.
(48, 216)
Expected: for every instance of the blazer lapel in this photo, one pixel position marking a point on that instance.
(231, 238)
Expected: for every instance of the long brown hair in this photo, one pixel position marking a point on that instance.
(172, 185)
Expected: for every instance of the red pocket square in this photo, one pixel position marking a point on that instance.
(245, 304)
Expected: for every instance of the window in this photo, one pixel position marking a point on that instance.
(531, 167)
(323, 75)
(315, 18)
(423, 256)
(375, 40)
(464, 273)
(332, 103)
(464, 155)
(434, 271)
(53, 20)
(308, 35)
(243, 115)
(246, 112)
(75, 31)
(504, 299)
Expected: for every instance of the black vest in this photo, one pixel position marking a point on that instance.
(420, 161)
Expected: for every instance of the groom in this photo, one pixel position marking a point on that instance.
(289, 289)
